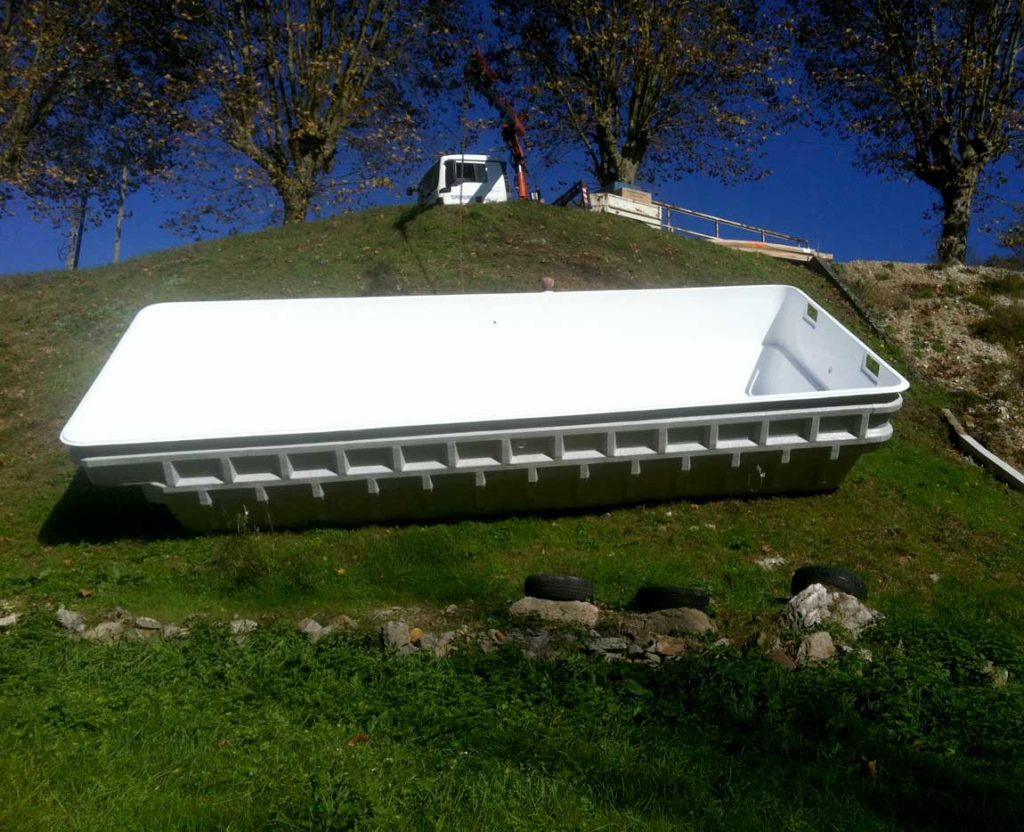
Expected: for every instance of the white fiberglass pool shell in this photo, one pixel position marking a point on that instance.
(286, 412)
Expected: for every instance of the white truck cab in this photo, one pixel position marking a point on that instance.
(461, 178)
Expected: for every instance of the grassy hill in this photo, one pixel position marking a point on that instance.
(207, 735)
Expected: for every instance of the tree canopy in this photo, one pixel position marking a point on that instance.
(932, 89)
(295, 85)
(89, 89)
(642, 87)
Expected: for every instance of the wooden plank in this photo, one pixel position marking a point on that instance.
(972, 448)
(777, 250)
(634, 194)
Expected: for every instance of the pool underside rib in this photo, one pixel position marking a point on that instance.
(482, 473)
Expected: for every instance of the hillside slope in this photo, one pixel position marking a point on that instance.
(963, 328)
(57, 330)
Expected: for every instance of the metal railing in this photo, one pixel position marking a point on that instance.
(577, 193)
(765, 235)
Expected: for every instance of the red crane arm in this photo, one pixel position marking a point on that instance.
(483, 78)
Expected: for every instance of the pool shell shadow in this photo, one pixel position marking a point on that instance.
(86, 513)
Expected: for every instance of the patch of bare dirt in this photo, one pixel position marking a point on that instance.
(933, 313)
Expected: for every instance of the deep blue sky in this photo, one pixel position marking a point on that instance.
(815, 191)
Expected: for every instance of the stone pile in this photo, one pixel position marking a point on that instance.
(551, 629)
(118, 623)
(816, 607)
(399, 636)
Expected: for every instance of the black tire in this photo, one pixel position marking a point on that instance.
(559, 588)
(653, 598)
(831, 576)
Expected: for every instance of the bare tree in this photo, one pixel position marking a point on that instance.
(294, 83)
(49, 53)
(677, 85)
(932, 89)
(90, 88)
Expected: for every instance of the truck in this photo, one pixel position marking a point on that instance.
(462, 178)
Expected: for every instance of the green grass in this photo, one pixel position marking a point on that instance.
(278, 733)
(129, 736)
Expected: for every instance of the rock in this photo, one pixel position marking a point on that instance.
(636, 652)
(851, 613)
(105, 632)
(668, 647)
(8, 621)
(536, 644)
(933, 577)
(311, 627)
(140, 635)
(807, 608)
(815, 648)
(580, 613)
(770, 563)
(325, 631)
(608, 644)
(437, 644)
(451, 609)
(69, 620)
(498, 636)
(121, 615)
(239, 627)
(339, 622)
(173, 631)
(395, 635)
(682, 621)
(145, 623)
(818, 605)
(782, 658)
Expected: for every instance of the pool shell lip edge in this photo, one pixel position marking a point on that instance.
(80, 450)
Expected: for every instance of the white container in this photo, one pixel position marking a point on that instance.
(277, 413)
(623, 206)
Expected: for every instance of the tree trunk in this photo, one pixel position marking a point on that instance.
(627, 170)
(609, 159)
(122, 197)
(77, 232)
(615, 164)
(957, 198)
(296, 200)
